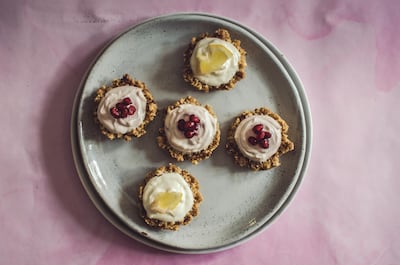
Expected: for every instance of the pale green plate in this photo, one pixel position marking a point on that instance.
(238, 203)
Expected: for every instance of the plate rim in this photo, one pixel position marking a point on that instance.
(123, 227)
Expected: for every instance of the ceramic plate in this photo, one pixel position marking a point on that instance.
(238, 203)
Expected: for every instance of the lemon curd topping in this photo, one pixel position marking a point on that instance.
(165, 202)
(167, 197)
(214, 61)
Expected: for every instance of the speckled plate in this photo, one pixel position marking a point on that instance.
(238, 203)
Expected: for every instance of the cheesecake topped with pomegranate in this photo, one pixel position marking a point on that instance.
(214, 62)
(190, 132)
(257, 139)
(125, 108)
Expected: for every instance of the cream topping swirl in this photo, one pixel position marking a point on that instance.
(206, 131)
(168, 182)
(226, 71)
(114, 96)
(255, 152)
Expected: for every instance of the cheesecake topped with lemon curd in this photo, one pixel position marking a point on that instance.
(169, 197)
(214, 62)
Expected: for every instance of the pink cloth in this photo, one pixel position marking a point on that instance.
(347, 54)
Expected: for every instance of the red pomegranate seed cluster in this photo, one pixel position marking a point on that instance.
(261, 137)
(189, 128)
(123, 109)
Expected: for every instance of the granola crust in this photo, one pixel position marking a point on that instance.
(194, 186)
(232, 148)
(193, 157)
(188, 76)
(151, 107)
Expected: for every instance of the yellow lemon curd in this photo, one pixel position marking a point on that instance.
(216, 57)
(166, 201)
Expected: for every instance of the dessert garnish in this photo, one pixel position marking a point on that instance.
(166, 201)
(261, 138)
(216, 57)
(123, 109)
(189, 127)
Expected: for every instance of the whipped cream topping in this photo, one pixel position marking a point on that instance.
(114, 96)
(255, 152)
(168, 182)
(226, 71)
(206, 131)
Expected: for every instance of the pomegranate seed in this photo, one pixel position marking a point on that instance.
(258, 128)
(181, 124)
(261, 135)
(268, 135)
(190, 134)
(264, 143)
(114, 112)
(131, 110)
(252, 140)
(194, 118)
(127, 101)
(190, 126)
(120, 106)
(124, 112)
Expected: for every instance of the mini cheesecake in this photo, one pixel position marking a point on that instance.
(191, 131)
(214, 62)
(257, 139)
(169, 197)
(124, 109)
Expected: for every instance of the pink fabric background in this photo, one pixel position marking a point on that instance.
(347, 54)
